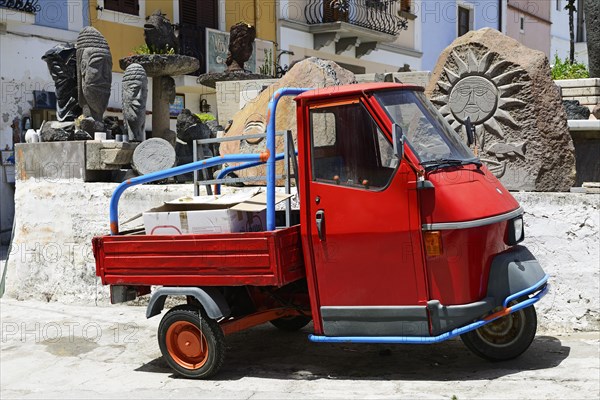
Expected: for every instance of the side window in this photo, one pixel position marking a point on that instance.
(349, 149)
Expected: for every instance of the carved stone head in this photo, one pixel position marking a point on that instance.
(62, 65)
(135, 94)
(241, 39)
(94, 72)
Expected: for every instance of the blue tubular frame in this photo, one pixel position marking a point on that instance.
(444, 336)
(167, 173)
(258, 159)
(234, 168)
(271, 150)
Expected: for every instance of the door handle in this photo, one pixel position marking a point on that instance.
(320, 220)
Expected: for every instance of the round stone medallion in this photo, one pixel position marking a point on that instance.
(475, 97)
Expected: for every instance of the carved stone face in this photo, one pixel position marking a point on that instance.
(96, 79)
(475, 97)
(135, 94)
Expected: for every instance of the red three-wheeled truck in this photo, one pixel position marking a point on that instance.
(403, 236)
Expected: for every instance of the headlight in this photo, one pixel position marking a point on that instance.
(515, 231)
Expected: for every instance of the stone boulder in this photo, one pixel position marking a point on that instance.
(575, 110)
(506, 90)
(310, 73)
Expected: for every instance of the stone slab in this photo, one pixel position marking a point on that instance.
(108, 156)
(576, 83)
(581, 91)
(50, 161)
(584, 125)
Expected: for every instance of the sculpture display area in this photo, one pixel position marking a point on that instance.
(506, 90)
(161, 67)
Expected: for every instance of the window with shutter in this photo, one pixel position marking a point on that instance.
(203, 15)
(123, 6)
(405, 5)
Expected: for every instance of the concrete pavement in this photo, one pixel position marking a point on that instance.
(51, 350)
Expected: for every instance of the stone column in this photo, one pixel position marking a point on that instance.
(163, 93)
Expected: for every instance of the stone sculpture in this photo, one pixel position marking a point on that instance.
(94, 73)
(506, 90)
(159, 33)
(62, 65)
(190, 128)
(575, 110)
(135, 94)
(241, 39)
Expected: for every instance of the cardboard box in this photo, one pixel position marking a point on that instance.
(238, 212)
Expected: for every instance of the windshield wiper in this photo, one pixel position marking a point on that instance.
(448, 162)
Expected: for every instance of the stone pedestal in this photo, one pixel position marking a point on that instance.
(162, 88)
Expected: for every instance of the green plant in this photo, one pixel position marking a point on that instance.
(144, 49)
(205, 117)
(563, 69)
(267, 67)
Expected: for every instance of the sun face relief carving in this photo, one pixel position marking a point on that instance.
(481, 90)
(475, 97)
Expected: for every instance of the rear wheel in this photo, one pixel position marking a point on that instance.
(291, 324)
(192, 343)
(505, 338)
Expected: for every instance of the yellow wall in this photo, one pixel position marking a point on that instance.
(123, 37)
(260, 13)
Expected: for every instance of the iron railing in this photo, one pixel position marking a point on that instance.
(377, 15)
(28, 6)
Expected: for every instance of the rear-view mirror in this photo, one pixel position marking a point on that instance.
(398, 140)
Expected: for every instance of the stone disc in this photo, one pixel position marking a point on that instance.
(153, 155)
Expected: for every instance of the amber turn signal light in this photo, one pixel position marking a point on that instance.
(433, 243)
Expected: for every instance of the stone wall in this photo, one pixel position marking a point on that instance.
(562, 231)
(51, 258)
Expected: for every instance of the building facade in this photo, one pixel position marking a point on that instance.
(364, 36)
(528, 21)
(560, 37)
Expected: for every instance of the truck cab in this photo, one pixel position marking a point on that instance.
(398, 246)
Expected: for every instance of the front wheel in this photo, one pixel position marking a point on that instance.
(192, 343)
(505, 338)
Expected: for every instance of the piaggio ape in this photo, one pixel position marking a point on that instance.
(403, 237)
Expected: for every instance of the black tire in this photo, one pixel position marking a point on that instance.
(291, 324)
(192, 343)
(505, 338)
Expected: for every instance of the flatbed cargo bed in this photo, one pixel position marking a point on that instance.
(271, 258)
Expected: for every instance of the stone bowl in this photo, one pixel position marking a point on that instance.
(162, 64)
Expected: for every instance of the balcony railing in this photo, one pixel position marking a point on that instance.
(377, 15)
(28, 6)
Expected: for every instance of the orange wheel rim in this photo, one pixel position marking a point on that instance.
(187, 345)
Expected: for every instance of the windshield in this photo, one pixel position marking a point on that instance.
(428, 134)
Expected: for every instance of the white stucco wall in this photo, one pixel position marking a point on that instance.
(21, 72)
(51, 258)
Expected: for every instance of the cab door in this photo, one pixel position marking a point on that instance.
(362, 227)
